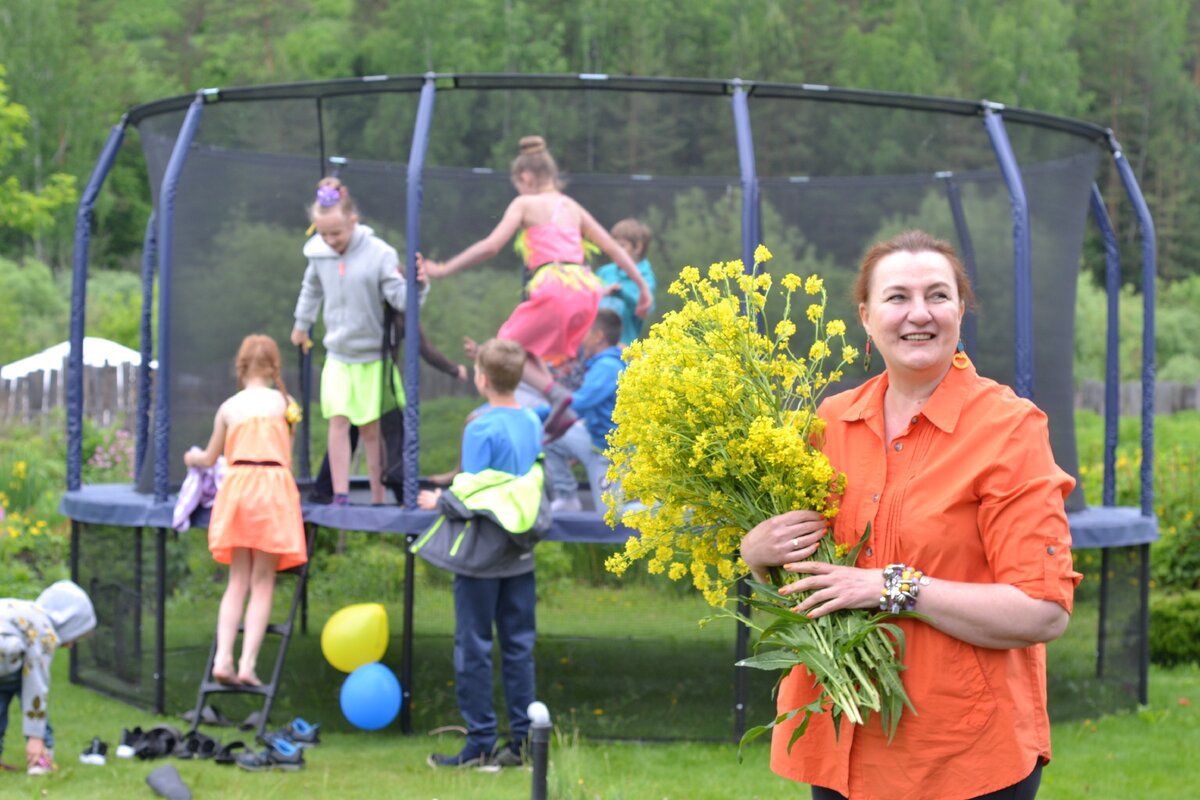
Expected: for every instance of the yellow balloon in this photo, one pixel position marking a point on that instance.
(355, 635)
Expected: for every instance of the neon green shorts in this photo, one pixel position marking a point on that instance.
(355, 391)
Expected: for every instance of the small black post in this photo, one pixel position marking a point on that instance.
(406, 640)
(539, 747)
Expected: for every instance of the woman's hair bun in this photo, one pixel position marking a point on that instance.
(532, 144)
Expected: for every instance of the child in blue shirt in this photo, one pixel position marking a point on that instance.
(505, 438)
(620, 293)
(593, 402)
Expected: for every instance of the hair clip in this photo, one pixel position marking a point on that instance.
(328, 196)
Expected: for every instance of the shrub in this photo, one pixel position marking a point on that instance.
(1175, 628)
(1175, 558)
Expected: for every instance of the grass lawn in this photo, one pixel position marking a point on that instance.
(1148, 752)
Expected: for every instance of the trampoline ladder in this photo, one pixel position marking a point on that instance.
(268, 690)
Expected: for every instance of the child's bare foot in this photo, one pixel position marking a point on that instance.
(246, 675)
(223, 673)
(248, 679)
(470, 347)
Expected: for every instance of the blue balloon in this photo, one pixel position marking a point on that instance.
(371, 697)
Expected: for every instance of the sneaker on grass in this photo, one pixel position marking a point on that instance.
(470, 756)
(95, 754)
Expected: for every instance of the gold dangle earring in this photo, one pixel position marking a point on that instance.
(960, 358)
(867, 356)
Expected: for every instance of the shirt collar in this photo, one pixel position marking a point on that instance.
(943, 408)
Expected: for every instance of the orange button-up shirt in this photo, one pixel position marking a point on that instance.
(969, 491)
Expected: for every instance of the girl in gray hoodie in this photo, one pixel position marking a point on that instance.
(351, 273)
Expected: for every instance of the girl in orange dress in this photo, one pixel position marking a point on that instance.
(256, 525)
(563, 294)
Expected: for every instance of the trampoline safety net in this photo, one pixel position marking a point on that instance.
(618, 658)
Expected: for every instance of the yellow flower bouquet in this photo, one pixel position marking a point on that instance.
(716, 431)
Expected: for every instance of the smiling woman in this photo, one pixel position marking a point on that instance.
(954, 474)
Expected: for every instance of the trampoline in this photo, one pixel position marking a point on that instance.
(713, 166)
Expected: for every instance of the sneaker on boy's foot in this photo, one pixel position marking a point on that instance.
(469, 756)
(43, 766)
(508, 756)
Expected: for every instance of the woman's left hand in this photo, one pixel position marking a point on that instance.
(782, 539)
(833, 587)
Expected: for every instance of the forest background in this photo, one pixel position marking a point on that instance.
(71, 67)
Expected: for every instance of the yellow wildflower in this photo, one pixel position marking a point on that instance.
(761, 254)
(814, 285)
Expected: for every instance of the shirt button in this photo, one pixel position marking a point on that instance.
(1050, 550)
(874, 498)
(899, 446)
(914, 420)
(870, 552)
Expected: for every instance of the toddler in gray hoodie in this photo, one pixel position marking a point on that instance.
(30, 632)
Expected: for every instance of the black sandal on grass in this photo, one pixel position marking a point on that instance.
(228, 754)
(281, 755)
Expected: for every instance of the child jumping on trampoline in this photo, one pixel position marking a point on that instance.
(562, 293)
(493, 576)
(353, 273)
(256, 526)
(621, 293)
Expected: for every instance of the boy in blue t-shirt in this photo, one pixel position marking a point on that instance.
(507, 438)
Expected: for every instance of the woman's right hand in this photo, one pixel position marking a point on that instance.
(300, 338)
(783, 539)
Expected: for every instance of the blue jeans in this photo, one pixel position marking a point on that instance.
(576, 444)
(10, 687)
(509, 604)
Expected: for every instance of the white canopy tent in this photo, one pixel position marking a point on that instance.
(97, 352)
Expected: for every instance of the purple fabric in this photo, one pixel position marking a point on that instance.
(199, 489)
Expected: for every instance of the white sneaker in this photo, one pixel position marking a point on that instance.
(560, 504)
(43, 766)
(95, 754)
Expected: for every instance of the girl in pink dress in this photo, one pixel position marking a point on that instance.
(563, 294)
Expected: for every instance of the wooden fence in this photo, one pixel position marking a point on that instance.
(1169, 397)
(110, 394)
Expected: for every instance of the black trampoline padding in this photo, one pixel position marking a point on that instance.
(123, 506)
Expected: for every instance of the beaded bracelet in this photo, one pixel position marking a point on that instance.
(901, 584)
